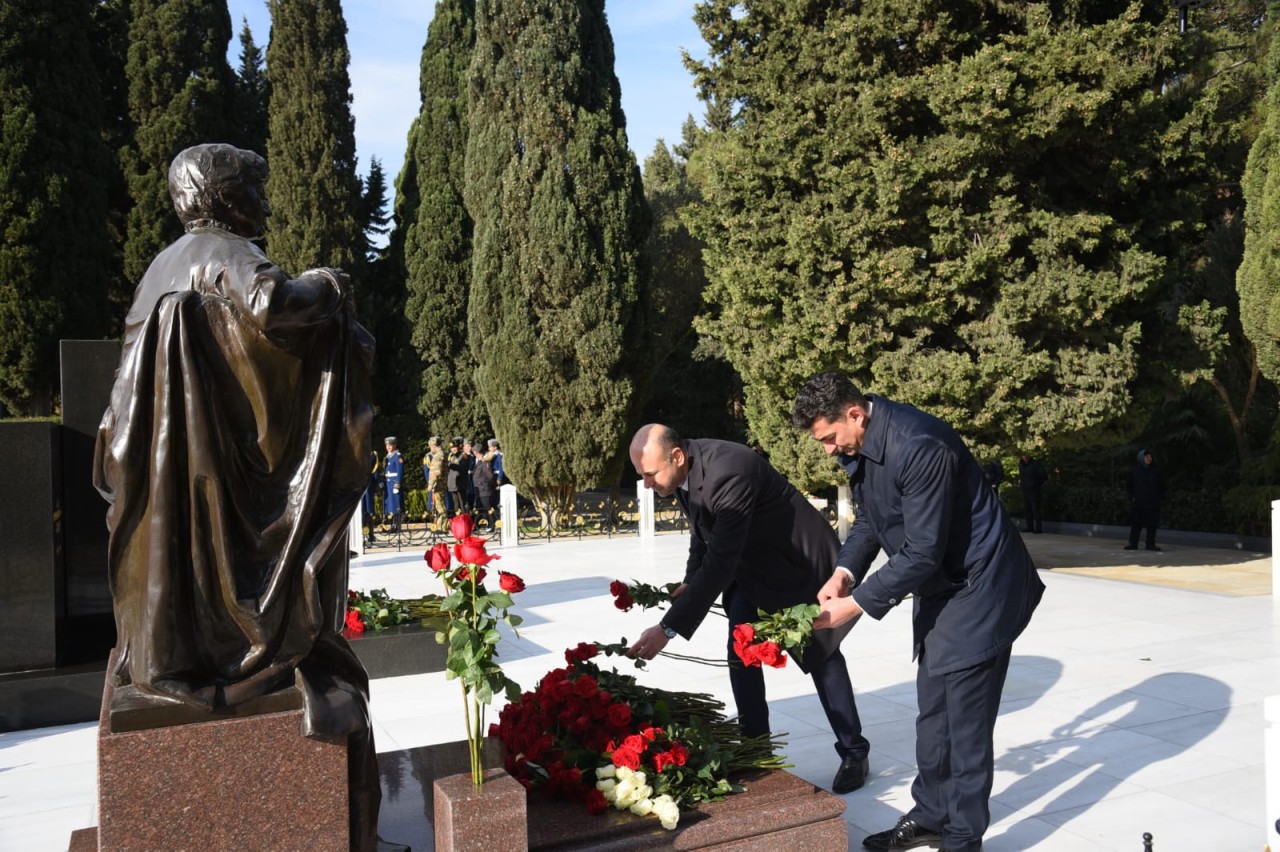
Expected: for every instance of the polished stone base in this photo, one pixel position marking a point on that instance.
(61, 696)
(401, 650)
(490, 819)
(241, 783)
(778, 811)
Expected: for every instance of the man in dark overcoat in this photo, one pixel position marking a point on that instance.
(921, 497)
(755, 540)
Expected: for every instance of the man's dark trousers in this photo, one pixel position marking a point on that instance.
(954, 751)
(830, 678)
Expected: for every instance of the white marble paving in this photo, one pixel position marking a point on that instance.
(1128, 708)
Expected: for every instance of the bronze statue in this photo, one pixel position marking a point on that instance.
(233, 454)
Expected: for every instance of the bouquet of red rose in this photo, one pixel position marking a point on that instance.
(599, 737)
(769, 640)
(471, 615)
(644, 595)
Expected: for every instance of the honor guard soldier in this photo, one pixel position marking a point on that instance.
(393, 475)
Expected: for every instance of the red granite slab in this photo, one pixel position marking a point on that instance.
(491, 819)
(242, 783)
(778, 811)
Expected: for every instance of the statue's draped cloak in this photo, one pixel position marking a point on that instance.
(233, 455)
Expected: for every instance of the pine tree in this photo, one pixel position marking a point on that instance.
(53, 196)
(252, 94)
(312, 186)
(373, 209)
(381, 306)
(555, 315)
(181, 91)
(974, 208)
(437, 230)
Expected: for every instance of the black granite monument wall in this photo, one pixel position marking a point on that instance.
(58, 626)
(31, 567)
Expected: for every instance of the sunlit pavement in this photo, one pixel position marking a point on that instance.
(1133, 704)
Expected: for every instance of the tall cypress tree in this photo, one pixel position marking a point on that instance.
(312, 186)
(181, 91)
(1258, 279)
(556, 289)
(436, 244)
(53, 196)
(252, 94)
(974, 208)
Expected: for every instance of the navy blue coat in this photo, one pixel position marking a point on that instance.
(922, 498)
(749, 525)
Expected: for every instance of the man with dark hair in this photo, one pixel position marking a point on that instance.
(755, 540)
(922, 498)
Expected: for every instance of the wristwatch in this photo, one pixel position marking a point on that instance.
(671, 634)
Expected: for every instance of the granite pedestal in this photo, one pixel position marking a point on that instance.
(778, 811)
(242, 783)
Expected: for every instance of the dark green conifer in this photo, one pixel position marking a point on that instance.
(53, 196)
(313, 188)
(975, 208)
(252, 94)
(436, 242)
(556, 320)
(181, 92)
(1258, 279)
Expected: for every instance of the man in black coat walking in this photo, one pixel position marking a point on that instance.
(755, 540)
(921, 497)
(1031, 477)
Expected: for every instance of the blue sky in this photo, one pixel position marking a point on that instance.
(385, 38)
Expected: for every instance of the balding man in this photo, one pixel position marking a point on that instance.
(755, 540)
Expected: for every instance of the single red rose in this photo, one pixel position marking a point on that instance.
(461, 526)
(585, 686)
(661, 760)
(584, 651)
(438, 558)
(624, 603)
(354, 623)
(353, 595)
(510, 582)
(745, 633)
(749, 654)
(651, 733)
(618, 588)
(618, 715)
(770, 654)
(596, 802)
(628, 757)
(679, 754)
(465, 575)
(470, 551)
(636, 743)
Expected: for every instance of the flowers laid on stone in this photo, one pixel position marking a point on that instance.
(374, 610)
(595, 736)
(470, 616)
(769, 640)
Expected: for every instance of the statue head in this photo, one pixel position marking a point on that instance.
(217, 184)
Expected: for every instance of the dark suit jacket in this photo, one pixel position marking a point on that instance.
(749, 525)
(921, 496)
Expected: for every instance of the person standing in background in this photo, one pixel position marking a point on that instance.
(393, 476)
(1145, 484)
(1031, 477)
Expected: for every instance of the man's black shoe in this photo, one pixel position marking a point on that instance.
(905, 835)
(851, 775)
(1131, 547)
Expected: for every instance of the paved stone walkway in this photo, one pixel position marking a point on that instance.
(1200, 569)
